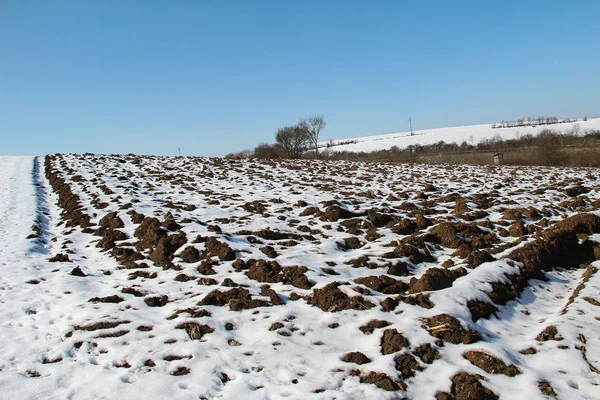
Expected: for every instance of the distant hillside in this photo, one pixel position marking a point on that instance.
(472, 134)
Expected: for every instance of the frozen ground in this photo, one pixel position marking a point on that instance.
(209, 278)
(471, 134)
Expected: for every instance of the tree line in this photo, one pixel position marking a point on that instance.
(529, 121)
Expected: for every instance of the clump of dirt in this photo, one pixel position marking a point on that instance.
(427, 353)
(393, 341)
(331, 299)
(467, 386)
(452, 235)
(269, 251)
(362, 262)
(413, 253)
(265, 290)
(580, 223)
(77, 272)
(111, 221)
(505, 291)
(478, 257)
(422, 221)
(398, 268)
(128, 257)
(206, 267)
(576, 190)
(113, 334)
(46, 360)
(164, 252)
(312, 210)
(37, 232)
(183, 278)
(108, 299)
(276, 325)
(60, 257)
(554, 248)
(356, 357)
(405, 226)
(109, 238)
(255, 207)
(546, 388)
(181, 370)
(461, 207)
(169, 223)
(383, 284)
(149, 232)
(193, 312)
(335, 212)
(481, 309)
(420, 299)
(379, 219)
(382, 381)
(351, 243)
(372, 234)
(240, 265)
(99, 325)
(269, 234)
(490, 363)
(142, 274)
(157, 301)
(190, 255)
(449, 329)
(194, 330)
(176, 357)
(272, 272)
(516, 214)
(550, 333)
(237, 299)
(592, 301)
(133, 291)
(220, 249)
(517, 229)
(373, 324)
(407, 365)
(435, 279)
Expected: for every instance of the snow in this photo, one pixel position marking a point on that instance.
(43, 355)
(472, 134)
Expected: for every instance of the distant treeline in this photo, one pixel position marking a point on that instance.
(529, 121)
(549, 147)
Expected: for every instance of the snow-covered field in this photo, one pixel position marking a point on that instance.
(471, 134)
(171, 277)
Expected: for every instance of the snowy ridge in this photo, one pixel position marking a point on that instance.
(471, 134)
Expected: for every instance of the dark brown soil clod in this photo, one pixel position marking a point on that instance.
(449, 329)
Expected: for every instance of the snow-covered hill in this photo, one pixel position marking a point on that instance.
(472, 134)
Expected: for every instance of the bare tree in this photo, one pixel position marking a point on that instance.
(267, 151)
(293, 139)
(315, 125)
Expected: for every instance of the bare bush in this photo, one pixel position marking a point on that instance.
(293, 139)
(267, 151)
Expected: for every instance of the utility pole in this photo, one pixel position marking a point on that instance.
(410, 122)
(179, 151)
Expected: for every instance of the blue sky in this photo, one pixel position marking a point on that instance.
(214, 77)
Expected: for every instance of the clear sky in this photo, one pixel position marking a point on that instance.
(212, 77)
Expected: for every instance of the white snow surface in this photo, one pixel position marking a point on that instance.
(472, 134)
(46, 352)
